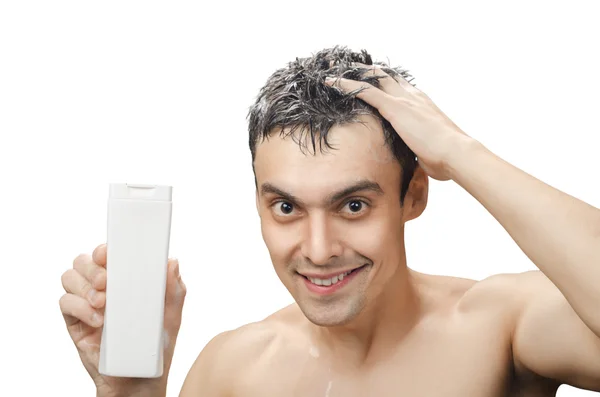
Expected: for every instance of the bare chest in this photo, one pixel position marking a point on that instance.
(453, 362)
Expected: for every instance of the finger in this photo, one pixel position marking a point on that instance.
(176, 290)
(375, 97)
(73, 282)
(386, 82)
(174, 297)
(398, 79)
(174, 300)
(92, 272)
(74, 308)
(99, 255)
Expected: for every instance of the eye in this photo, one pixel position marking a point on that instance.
(283, 208)
(355, 207)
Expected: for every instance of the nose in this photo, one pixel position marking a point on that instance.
(320, 243)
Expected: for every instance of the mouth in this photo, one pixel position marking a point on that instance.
(331, 284)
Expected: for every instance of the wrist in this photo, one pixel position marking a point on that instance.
(145, 390)
(139, 393)
(461, 156)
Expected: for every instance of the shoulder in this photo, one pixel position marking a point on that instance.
(505, 292)
(508, 284)
(234, 352)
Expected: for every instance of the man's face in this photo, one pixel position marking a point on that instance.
(332, 221)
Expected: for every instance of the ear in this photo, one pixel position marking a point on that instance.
(415, 200)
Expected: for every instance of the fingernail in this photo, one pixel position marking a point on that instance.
(96, 318)
(91, 295)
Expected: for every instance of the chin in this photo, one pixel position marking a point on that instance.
(331, 314)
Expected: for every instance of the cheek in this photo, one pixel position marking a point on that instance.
(375, 237)
(280, 241)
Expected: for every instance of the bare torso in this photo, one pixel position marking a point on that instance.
(461, 347)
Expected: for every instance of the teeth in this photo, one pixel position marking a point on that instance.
(330, 281)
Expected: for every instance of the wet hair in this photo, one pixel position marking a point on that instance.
(295, 102)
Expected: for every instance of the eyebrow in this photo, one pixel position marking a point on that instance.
(360, 186)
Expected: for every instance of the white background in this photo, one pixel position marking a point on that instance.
(149, 92)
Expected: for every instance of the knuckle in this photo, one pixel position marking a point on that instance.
(63, 303)
(85, 289)
(387, 83)
(399, 102)
(399, 79)
(80, 259)
(387, 111)
(66, 278)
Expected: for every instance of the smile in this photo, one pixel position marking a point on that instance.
(329, 281)
(325, 285)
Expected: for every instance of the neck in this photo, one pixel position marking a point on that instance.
(383, 322)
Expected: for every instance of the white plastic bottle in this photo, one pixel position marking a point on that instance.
(139, 228)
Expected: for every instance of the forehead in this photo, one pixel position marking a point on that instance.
(358, 152)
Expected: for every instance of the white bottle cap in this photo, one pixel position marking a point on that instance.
(138, 191)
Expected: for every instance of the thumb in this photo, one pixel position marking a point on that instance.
(174, 299)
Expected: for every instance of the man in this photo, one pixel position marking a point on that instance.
(337, 178)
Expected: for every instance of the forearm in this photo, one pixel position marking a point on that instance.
(559, 233)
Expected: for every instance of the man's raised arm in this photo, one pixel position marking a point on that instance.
(558, 332)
